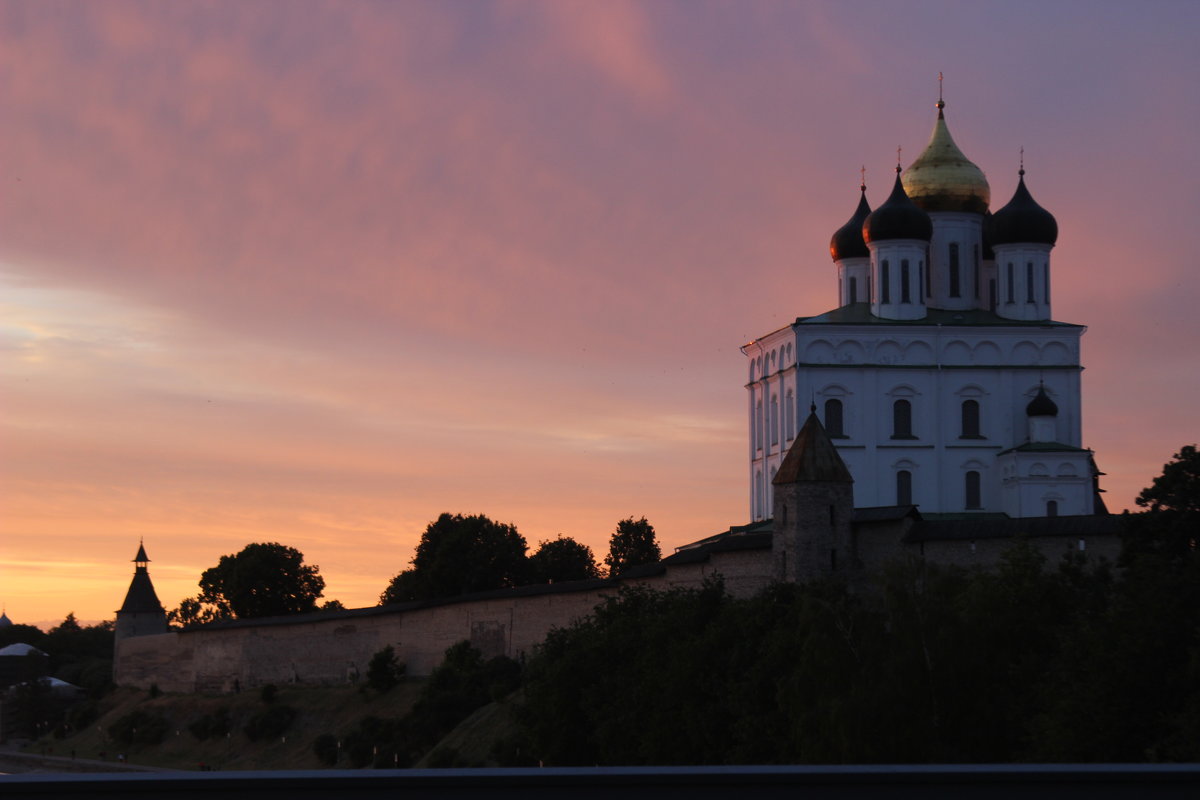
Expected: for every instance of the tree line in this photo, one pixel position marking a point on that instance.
(457, 554)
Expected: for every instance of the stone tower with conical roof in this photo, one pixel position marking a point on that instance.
(942, 338)
(141, 614)
(813, 508)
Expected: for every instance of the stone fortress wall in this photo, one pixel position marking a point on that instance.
(334, 647)
(326, 648)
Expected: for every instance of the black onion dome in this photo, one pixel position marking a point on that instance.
(1041, 405)
(1023, 220)
(897, 218)
(847, 241)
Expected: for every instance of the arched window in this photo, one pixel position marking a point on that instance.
(902, 420)
(954, 282)
(904, 488)
(774, 419)
(970, 420)
(1009, 295)
(975, 258)
(758, 494)
(834, 421)
(854, 290)
(1028, 281)
(904, 295)
(1046, 282)
(885, 288)
(1052, 510)
(790, 415)
(756, 432)
(974, 499)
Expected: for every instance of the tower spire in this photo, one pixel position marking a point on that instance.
(940, 103)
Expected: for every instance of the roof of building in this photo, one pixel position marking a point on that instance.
(812, 457)
(141, 554)
(1044, 447)
(897, 218)
(4, 620)
(885, 513)
(942, 178)
(20, 649)
(988, 527)
(860, 314)
(1023, 220)
(847, 241)
(141, 597)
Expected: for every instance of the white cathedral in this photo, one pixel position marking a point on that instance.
(941, 377)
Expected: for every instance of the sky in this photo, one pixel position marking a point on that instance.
(316, 272)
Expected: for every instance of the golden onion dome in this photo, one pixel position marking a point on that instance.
(942, 178)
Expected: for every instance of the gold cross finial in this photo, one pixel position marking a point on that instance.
(940, 103)
(862, 182)
(1022, 169)
(898, 149)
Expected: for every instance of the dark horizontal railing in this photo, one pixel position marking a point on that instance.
(1025, 782)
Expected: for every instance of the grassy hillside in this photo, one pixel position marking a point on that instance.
(318, 710)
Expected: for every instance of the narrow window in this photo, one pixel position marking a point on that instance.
(774, 420)
(902, 420)
(904, 488)
(833, 560)
(1028, 281)
(920, 274)
(832, 516)
(758, 494)
(1046, 282)
(972, 487)
(928, 282)
(904, 296)
(833, 419)
(975, 257)
(885, 289)
(758, 425)
(970, 420)
(1009, 293)
(784, 514)
(992, 294)
(954, 287)
(854, 290)
(790, 414)
(1051, 508)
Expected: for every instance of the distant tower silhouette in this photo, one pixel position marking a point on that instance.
(141, 614)
(813, 507)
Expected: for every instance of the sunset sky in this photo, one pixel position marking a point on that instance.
(316, 272)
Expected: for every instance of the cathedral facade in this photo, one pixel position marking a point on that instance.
(941, 377)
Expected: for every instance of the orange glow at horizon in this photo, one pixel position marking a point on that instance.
(318, 283)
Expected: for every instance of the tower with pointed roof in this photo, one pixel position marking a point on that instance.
(141, 614)
(928, 374)
(813, 508)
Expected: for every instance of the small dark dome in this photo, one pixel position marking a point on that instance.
(847, 241)
(1041, 405)
(1023, 220)
(897, 218)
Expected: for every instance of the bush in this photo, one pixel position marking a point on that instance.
(384, 671)
(271, 722)
(139, 727)
(211, 725)
(325, 748)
